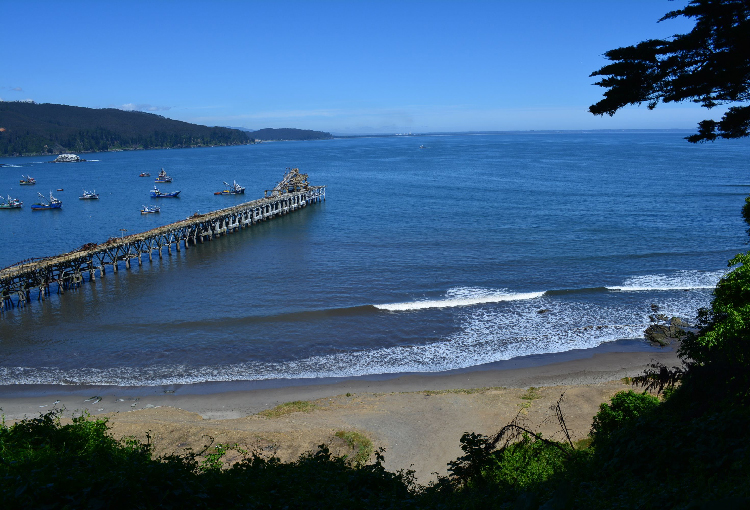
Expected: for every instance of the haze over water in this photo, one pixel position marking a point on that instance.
(475, 249)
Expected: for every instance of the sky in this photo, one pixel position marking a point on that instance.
(347, 67)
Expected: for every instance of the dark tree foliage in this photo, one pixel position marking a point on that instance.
(709, 66)
(30, 128)
(290, 134)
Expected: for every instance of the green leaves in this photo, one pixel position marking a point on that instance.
(708, 65)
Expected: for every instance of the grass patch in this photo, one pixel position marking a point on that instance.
(298, 406)
(531, 394)
(360, 443)
(583, 444)
(462, 391)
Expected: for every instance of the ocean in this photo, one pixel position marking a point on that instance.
(471, 250)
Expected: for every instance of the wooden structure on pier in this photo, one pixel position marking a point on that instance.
(19, 282)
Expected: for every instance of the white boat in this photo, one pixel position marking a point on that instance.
(68, 158)
(11, 203)
(163, 177)
(150, 210)
(89, 195)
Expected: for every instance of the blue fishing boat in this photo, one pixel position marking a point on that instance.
(52, 203)
(163, 177)
(155, 193)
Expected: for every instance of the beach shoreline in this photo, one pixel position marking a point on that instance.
(417, 418)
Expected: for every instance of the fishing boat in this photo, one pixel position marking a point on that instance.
(52, 203)
(89, 195)
(155, 193)
(144, 174)
(27, 180)
(163, 177)
(11, 203)
(150, 210)
(233, 189)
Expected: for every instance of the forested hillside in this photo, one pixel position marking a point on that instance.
(30, 128)
(289, 134)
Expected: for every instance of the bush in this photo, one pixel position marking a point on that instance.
(625, 407)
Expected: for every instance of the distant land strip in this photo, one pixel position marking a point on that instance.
(32, 129)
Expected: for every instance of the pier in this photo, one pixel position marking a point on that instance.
(20, 283)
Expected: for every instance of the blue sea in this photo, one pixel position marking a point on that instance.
(471, 250)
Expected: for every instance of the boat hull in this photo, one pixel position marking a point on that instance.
(41, 207)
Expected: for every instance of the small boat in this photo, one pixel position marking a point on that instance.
(144, 174)
(59, 189)
(421, 146)
(163, 177)
(233, 189)
(27, 180)
(53, 203)
(150, 210)
(155, 193)
(68, 158)
(89, 195)
(11, 203)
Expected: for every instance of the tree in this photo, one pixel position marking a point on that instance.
(709, 66)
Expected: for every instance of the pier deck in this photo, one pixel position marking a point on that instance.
(68, 270)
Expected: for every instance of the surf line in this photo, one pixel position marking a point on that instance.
(67, 270)
(458, 301)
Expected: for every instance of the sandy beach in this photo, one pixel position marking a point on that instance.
(417, 418)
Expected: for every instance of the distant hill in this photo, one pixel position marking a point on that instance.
(271, 134)
(31, 129)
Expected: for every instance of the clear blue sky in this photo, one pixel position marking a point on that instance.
(339, 66)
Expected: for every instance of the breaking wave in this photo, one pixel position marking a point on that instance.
(462, 296)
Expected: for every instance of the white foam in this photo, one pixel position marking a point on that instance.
(462, 296)
(681, 280)
(485, 334)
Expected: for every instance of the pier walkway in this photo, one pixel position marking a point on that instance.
(22, 282)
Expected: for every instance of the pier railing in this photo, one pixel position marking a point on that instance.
(19, 283)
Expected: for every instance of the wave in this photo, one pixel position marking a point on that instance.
(681, 280)
(462, 296)
(484, 335)
(12, 166)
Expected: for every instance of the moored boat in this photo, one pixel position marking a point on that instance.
(144, 174)
(163, 177)
(155, 193)
(233, 189)
(68, 158)
(27, 180)
(52, 203)
(10, 203)
(150, 210)
(89, 195)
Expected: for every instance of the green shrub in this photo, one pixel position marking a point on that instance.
(624, 408)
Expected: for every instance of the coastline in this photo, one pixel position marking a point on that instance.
(607, 362)
(418, 418)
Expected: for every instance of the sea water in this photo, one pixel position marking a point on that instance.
(471, 250)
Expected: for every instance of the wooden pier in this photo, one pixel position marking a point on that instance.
(22, 282)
